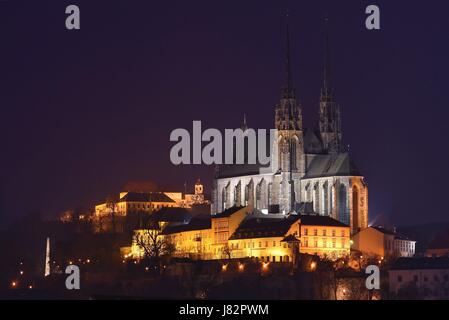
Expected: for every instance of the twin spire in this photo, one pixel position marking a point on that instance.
(288, 92)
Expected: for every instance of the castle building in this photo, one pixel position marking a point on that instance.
(308, 165)
(149, 202)
(136, 202)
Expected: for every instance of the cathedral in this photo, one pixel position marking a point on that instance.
(311, 172)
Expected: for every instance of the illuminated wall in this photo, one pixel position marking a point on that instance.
(325, 241)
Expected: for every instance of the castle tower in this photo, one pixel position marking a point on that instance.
(199, 189)
(329, 112)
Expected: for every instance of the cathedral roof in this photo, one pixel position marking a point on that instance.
(327, 165)
(312, 142)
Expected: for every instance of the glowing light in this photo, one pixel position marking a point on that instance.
(224, 267)
(135, 261)
(313, 265)
(123, 261)
(13, 284)
(241, 267)
(146, 268)
(265, 265)
(30, 287)
(21, 272)
(88, 260)
(70, 262)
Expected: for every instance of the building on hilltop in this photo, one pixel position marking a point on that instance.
(241, 232)
(307, 165)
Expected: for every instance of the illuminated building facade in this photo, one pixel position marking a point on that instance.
(240, 232)
(308, 166)
(130, 202)
(136, 202)
(381, 242)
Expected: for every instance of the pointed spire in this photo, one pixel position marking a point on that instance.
(288, 91)
(327, 88)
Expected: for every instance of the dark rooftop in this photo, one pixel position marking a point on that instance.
(174, 214)
(391, 232)
(146, 197)
(317, 220)
(259, 227)
(420, 263)
(227, 213)
(194, 224)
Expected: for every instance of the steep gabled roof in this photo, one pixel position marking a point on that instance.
(326, 165)
(312, 142)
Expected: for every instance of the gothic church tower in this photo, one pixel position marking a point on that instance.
(290, 142)
(329, 112)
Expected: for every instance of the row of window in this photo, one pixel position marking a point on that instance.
(324, 243)
(143, 206)
(324, 232)
(260, 244)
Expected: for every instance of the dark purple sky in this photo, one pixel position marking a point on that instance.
(83, 112)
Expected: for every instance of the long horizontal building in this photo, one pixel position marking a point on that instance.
(240, 232)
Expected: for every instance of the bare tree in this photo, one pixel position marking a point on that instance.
(226, 251)
(154, 245)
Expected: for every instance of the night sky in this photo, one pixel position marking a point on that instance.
(84, 112)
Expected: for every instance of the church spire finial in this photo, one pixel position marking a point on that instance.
(288, 91)
(327, 64)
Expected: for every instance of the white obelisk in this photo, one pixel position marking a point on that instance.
(47, 258)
